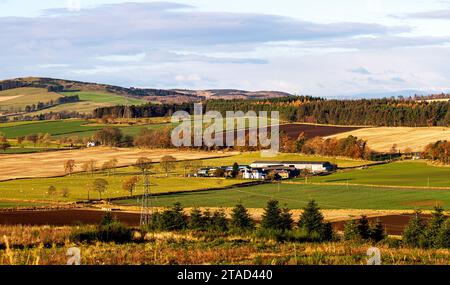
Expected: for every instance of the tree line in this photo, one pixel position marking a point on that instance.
(373, 112)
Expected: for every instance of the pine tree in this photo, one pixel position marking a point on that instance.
(351, 230)
(286, 220)
(311, 220)
(364, 228)
(414, 234)
(219, 221)
(377, 232)
(443, 238)
(196, 221)
(434, 227)
(240, 219)
(271, 219)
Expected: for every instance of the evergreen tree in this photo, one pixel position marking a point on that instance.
(271, 219)
(414, 234)
(435, 226)
(219, 221)
(377, 232)
(235, 171)
(286, 220)
(364, 228)
(443, 238)
(196, 221)
(351, 231)
(240, 219)
(173, 219)
(311, 220)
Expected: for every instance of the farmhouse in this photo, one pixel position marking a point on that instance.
(312, 166)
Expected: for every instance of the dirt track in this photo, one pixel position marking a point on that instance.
(50, 164)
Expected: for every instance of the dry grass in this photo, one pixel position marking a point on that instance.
(50, 164)
(197, 248)
(383, 138)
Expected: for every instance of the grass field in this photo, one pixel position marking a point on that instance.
(296, 197)
(67, 128)
(381, 139)
(17, 99)
(418, 174)
(79, 185)
(89, 101)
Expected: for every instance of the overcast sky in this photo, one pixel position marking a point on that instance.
(320, 47)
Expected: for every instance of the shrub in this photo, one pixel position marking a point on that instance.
(351, 230)
(109, 230)
(377, 232)
(363, 228)
(173, 219)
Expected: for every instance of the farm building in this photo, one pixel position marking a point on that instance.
(313, 166)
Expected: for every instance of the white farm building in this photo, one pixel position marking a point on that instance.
(312, 166)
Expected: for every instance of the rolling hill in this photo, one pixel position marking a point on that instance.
(17, 94)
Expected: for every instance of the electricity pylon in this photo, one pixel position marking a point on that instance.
(146, 203)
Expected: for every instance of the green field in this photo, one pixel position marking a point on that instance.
(66, 128)
(21, 97)
(89, 101)
(418, 174)
(78, 185)
(296, 197)
(249, 157)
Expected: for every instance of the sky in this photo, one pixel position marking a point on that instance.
(323, 48)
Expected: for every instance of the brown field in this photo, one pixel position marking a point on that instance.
(50, 164)
(394, 224)
(312, 130)
(383, 138)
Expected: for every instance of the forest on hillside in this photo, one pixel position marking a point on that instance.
(364, 112)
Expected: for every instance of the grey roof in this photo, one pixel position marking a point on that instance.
(291, 162)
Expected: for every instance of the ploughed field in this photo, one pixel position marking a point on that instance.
(394, 224)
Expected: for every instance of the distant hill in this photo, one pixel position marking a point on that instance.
(34, 96)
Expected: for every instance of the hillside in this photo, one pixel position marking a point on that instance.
(148, 94)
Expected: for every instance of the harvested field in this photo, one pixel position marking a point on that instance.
(382, 139)
(6, 98)
(50, 164)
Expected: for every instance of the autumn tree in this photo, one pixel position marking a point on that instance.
(129, 185)
(69, 166)
(167, 163)
(100, 185)
(143, 164)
